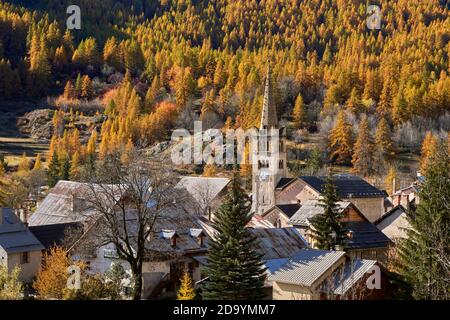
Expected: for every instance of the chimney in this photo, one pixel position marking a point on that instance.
(23, 215)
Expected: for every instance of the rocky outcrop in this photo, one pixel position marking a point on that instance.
(37, 124)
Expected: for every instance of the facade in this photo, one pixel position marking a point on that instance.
(18, 246)
(322, 274)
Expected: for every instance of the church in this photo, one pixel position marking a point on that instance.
(272, 187)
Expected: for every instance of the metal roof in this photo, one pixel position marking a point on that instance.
(15, 236)
(352, 272)
(310, 209)
(365, 235)
(284, 182)
(306, 266)
(275, 243)
(347, 185)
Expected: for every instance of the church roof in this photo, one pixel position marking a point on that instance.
(347, 185)
(269, 117)
(284, 182)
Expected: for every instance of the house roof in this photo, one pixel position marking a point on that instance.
(284, 182)
(52, 234)
(203, 189)
(288, 209)
(365, 235)
(59, 204)
(310, 209)
(275, 243)
(397, 210)
(352, 272)
(15, 237)
(306, 266)
(347, 185)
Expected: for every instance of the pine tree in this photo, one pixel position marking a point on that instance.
(423, 255)
(78, 86)
(299, 112)
(327, 228)
(234, 269)
(53, 171)
(186, 291)
(341, 141)
(363, 150)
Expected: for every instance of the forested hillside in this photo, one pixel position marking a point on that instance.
(152, 65)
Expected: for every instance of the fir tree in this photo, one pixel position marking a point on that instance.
(234, 269)
(53, 171)
(423, 255)
(328, 229)
(186, 291)
(65, 170)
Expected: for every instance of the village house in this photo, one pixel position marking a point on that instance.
(364, 240)
(394, 223)
(320, 274)
(18, 246)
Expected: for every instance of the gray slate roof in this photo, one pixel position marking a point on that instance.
(203, 189)
(15, 236)
(347, 185)
(310, 209)
(306, 267)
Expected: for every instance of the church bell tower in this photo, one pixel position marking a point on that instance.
(270, 161)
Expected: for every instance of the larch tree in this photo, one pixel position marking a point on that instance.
(186, 290)
(363, 150)
(429, 148)
(235, 270)
(327, 228)
(390, 183)
(299, 112)
(341, 140)
(424, 256)
(51, 279)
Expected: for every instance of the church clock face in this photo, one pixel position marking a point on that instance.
(263, 176)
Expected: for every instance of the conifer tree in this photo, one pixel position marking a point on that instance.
(429, 148)
(53, 171)
(87, 90)
(66, 168)
(341, 141)
(299, 112)
(24, 164)
(37, 162)
(234, 269)
(69, 90)
(327, 228)
(424, 254)
(186, 291)
(383, 140)
(363, 150)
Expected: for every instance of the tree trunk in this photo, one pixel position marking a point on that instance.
(137, 276)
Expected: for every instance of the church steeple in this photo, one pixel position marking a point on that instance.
(269, 117)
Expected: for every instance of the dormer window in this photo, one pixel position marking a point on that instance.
(171, 235)
(198, 235)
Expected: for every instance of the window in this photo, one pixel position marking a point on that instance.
(281, 164)
(110, 253)
(25, 257)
